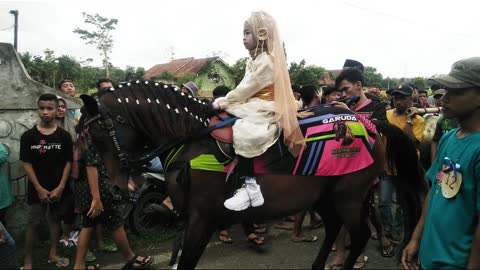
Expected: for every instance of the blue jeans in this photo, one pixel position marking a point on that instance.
(8, 256)
(391, 223)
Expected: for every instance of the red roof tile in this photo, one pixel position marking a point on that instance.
(179, 67)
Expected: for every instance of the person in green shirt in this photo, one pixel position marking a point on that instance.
(448, 233)
(6, 197)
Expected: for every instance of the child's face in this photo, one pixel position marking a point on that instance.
(249, 40)
(334, 96)
(461, 103)
(47, 110)
(68, 88)
(62, 109)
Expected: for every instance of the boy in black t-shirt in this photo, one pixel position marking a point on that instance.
(46, 153)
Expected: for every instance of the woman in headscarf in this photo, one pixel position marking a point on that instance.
(265, 103)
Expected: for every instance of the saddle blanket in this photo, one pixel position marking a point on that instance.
(336, 143)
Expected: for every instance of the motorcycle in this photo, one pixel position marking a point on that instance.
(152, 192)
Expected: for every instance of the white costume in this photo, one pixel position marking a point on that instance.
(252, 101)
(264, 101)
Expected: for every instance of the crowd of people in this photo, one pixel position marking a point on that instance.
(68, 181)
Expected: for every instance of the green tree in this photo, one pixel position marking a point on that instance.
(238, 69)
(101, 36)
(420, 83)
(372, 78)
(302, 74)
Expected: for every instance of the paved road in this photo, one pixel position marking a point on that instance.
(278, 253)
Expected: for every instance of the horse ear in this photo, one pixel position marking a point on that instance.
(90, 104)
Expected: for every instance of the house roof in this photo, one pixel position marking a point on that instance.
(179, 67)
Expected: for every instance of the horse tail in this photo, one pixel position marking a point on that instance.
(401, 154)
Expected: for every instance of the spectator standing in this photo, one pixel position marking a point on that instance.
(6, 197)
(46, 155)
(447, 235)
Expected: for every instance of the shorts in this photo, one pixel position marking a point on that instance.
(110, 219)
(53, 213)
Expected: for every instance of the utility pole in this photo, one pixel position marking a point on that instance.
(15, 37)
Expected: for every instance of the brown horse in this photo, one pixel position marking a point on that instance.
(135, 118)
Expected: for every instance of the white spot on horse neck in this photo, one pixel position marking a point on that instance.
(126, 99)
(149, 101)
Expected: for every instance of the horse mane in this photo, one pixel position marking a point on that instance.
(160, 112)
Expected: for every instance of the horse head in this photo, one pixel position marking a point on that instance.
(113, 138)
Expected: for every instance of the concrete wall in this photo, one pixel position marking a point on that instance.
(18, 113)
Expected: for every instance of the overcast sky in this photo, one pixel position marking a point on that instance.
(400, 38)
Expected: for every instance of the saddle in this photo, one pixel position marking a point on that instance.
(221, 131)
(220, 128)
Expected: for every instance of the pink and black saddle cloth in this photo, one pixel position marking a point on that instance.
(336, 143)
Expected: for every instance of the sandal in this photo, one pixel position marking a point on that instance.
(361, 264)
(306, 239)
(334, 266)
(224, 238)
(258, 241)
(61, 262)
(95, 267)
(141, 264)
(387, 250)
(260, 229)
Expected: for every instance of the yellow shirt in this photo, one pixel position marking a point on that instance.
(400, 121)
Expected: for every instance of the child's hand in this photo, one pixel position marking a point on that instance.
(43, 195)
(56, 194)
(96, 208)
(409, 256)
(215, 105)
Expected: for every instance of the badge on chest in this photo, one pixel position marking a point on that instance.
(450, 178)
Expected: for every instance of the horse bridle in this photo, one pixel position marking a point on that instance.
(106, 119)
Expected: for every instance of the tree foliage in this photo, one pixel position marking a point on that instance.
(50, 70)
(101, 36)
(302, 74)
(372, 78)
(238, 69)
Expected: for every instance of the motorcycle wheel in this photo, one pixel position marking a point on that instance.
(139, 220)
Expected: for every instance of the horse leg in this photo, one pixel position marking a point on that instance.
(333, 224)
(353, 213)
(197, 235)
